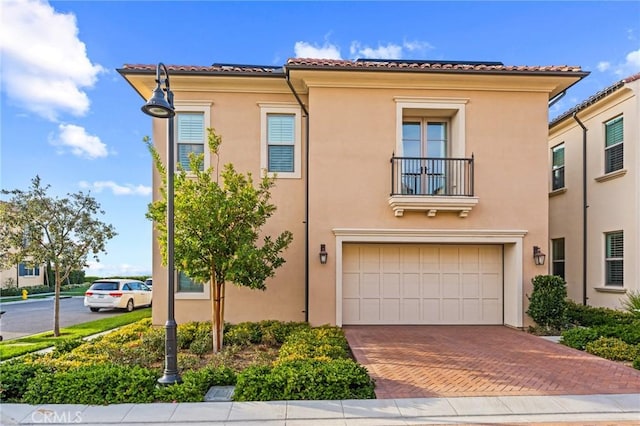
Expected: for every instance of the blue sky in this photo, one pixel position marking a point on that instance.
(69, 117)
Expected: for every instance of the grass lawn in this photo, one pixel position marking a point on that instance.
(24, 345)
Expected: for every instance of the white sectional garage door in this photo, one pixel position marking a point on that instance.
(421, 284)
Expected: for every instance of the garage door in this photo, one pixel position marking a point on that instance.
(421, 284)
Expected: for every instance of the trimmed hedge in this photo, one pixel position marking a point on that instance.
(613, 348)
(590, 316)
(15, 376)
(547, 304)
(578, 338)
(195, 384)
(321, 343)
(305, 379)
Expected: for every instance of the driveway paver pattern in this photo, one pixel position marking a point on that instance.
(449, 361)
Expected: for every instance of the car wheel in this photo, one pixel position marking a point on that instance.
(94, 309)
(130, 305)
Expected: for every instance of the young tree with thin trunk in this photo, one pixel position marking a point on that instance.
(36, 228)
(218, 220)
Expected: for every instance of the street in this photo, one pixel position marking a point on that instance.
(36, 316)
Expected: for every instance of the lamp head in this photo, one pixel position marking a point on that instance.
(157, 106)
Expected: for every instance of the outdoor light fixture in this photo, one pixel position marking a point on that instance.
(323, 254)
(538, 256)
(160, 105)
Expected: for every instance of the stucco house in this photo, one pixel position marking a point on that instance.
(594, 195)
(23, 275)
(423, 182)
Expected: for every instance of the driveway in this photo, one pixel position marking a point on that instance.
(450, 361)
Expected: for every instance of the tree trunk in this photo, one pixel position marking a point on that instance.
(217, 320)
(56, 306)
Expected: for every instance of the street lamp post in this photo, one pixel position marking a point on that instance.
(161, 106)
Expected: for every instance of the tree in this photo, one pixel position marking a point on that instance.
(217, 227)
(36, 228)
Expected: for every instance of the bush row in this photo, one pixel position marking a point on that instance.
(590, 316)
(579, 337)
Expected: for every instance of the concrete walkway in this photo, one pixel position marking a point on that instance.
(618, 409)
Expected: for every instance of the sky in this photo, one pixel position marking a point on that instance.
(67, 116)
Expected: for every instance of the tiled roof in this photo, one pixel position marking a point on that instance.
(594, 98)
(362, 64)
(454, 66)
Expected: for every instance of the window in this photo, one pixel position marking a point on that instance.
(613, 145)
(614, 254)
(424, 143)
(25, 271)
(557, 249)
(187, 285)
(557, 168)
(281, 150)
(191, 123)
(280, 143)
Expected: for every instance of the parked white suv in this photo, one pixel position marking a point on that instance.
(117, 294)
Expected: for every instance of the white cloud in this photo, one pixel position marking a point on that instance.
(388, 51)
(45, 65)
(116, 189)
(629, 66)
(303, 49)
(78, 141)
(98, 269)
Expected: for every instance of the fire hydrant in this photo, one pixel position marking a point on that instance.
(24, 294)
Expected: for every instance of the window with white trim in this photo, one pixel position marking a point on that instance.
(281, 140)
(557, 257)
(614, 258)
(191, 123)
(187, 285)
(557, 167)
(614, 145)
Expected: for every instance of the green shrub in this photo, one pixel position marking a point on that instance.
(320, 342)
(154, 341)
(195, 384)
(243, 334)
(276, 332)
(578, 338)
(305, 380)
(201, 345)
(612, 348)
(547, 304)
(590, 316)
(636, 362)
(15, 291)
(95, 385)
(14, 378)
(67, 345)
(631, 303)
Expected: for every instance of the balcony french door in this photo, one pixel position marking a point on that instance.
(427, 140)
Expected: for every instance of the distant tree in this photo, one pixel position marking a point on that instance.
(217, 226)
(36, 228)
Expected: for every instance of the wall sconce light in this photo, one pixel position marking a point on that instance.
(538, 256)
(323, 254)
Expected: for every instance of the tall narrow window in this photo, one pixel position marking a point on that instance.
(281, 143)
(614, 145)
(190, 133)
(614, 260)
(557, 252)
(557, 168)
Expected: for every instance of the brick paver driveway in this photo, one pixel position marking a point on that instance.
(449, 361)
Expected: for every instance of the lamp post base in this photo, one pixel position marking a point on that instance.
(170, 379)
(171, 375)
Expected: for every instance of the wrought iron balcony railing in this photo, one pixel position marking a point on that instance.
(424, 176)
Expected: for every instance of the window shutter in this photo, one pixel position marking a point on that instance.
(191, 127)
(614, 132)
(280, 129)
(281, 158)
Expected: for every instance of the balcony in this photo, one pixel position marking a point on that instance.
(432, 185)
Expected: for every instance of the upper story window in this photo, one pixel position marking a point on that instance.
(424, 142)
(26, 271)
(557, 253)
(614, 145)
(191, 123)
(614, 258)
(557, 167)
(281, 144)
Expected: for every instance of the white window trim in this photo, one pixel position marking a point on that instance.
(607, 259)
(283, 108)
(563, 167)
(457, 120)
(606, 148)
(193, 106)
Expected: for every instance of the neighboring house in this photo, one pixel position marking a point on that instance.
(598, 258)
(424, 182)
(23, 275)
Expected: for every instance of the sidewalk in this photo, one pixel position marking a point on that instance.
(573, 409)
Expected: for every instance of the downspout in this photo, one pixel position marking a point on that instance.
(584, 208)
(306, 197)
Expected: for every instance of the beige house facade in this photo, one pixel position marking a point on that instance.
(594, 220)
(424, 184)
(23, 275)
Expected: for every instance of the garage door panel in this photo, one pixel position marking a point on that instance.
(422, 284)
